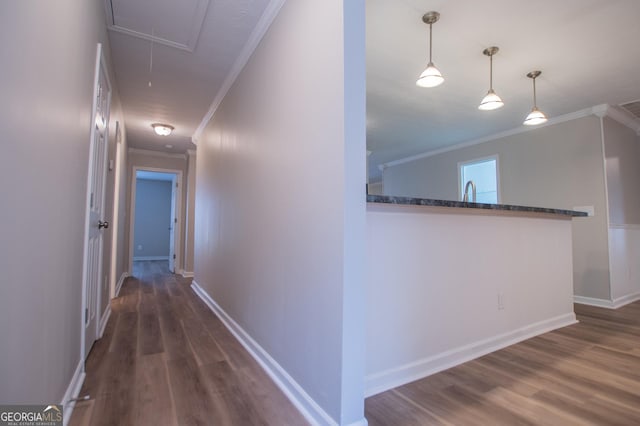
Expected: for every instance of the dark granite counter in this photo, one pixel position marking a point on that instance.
(409, 201)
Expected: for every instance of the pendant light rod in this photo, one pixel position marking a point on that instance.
(430, 18)
(533, 75)
(490, 51)
(430, 42)
(431, 76)
(491, 101)
(535, 116)
(491, 72)
(151, 57)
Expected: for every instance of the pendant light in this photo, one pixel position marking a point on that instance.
(535, 116)
(491, 99)
(431, 76)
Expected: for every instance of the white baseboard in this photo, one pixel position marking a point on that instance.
(625, 300)
(145, 258)
(120, 282)
(104, 320)
(72, 392)
(605, 303)
(186, 274)
(398, 376)
(296, 394)
(592, 301)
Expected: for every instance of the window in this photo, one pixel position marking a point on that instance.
(484, 173)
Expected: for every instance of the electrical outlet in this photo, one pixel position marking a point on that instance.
(500, 301)
(139, 246)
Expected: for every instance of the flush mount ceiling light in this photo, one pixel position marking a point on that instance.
(491, 99)
(431, 76)
(162, 129)
(535, 116)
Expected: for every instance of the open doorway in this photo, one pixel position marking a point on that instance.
(155, 218)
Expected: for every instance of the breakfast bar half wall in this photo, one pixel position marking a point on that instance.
(450, 281)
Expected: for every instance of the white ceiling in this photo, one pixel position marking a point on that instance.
(588, 51)
(195, 44)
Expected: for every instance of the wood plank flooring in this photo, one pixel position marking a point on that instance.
(166, 359)
(584, 374)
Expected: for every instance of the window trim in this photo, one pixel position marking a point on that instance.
(495, 157)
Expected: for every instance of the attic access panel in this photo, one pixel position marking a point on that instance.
(173, 23)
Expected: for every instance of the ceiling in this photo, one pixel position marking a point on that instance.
(588, 51)
(195, 45)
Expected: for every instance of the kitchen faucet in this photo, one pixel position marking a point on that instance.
(465, 199)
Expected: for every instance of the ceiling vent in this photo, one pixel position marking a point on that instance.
(632, 107)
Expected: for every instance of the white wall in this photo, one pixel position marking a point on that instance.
(435, 276)
(122, 261)
(557, 166)
(114, 261)
(48, 53)
(622, 153)
(153, 219)
(190, 213)
(280, 204)
(624, 243)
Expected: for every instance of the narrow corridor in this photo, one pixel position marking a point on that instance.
(166, 359)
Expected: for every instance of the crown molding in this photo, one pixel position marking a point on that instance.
(619, 115)
(156, 153)
(265, 21)
(522, 129)
(600, 110)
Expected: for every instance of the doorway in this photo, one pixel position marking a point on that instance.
(155, 218)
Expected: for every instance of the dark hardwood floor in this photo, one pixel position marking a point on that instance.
(584, 374)
(166, 359)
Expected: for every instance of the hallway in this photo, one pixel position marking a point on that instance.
(166, 359)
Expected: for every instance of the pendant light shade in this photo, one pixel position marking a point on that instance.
(431, 76)
(535, 116)
(491, 99)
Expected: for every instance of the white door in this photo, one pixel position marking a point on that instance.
(172, 226)
(95, 203)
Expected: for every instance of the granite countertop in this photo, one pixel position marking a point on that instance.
(387, 199)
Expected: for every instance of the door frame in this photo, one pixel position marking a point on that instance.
(115, 217)
(177, 230)
(101, 66)
(173, 224)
